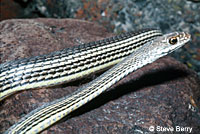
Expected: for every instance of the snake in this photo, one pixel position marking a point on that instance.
(70, 64)
(141, 51)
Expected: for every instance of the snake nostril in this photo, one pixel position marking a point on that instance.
(187, 35)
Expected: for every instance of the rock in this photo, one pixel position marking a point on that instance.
(194, 0)
(165, 93)
(6, 13)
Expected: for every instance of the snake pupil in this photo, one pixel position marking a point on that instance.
(173, 40)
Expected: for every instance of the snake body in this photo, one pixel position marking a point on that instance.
(42, 117)
(71, 63)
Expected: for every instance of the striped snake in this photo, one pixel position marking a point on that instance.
(69, 64)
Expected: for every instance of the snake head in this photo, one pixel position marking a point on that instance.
(178, 38)
(170, 42)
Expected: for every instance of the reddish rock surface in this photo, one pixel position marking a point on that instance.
(165, 93)
(7, 13)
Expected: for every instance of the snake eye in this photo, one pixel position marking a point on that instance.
(173, 40)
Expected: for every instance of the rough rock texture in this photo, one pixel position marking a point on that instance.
(165, 93)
